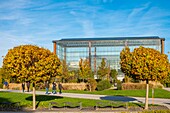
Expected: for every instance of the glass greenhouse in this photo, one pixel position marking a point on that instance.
(94, 49)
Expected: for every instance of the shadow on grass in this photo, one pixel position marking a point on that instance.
(4, 100)
(167, 103)
(123, 99)
(7, 105)
(139, 105)
(119, 98)
(41, 98)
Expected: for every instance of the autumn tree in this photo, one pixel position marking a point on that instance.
(85, 71)
(113, 74)
(166, 81)
(144, 64)
(72, 76)
(31, 63)
(4, 76)
(103, 69)
(65, 72)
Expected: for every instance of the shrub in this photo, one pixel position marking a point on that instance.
(104, 84)
(119, 85)
(127, 79)
(39, 86)
(1, 85)
(92, 84)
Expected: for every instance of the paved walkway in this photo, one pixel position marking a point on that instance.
(165, 102)
(168, 89)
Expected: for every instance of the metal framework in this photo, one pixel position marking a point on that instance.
(109, 48)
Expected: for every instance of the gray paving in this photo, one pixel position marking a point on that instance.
(159, 101)
(168, 89)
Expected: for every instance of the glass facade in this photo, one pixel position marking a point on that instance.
(94, 49)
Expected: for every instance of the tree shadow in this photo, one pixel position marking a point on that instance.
(139, 105)
(41, 98)
(4, 100)
(122, 99)
(167, 103)
(7, 105)
(119, 98)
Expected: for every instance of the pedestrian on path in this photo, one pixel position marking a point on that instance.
(23, 86)
(60, 87)
(54, 88)
(46, 87)
(6, 85)
(28, 86)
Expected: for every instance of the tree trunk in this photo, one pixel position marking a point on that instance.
(90, 87)
(34, 106)
(147, 92)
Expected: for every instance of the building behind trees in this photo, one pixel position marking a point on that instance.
(95, 49)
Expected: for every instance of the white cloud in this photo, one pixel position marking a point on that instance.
(14, 4)
(88, 28)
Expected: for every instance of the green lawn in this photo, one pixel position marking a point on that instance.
(43, 100)
(158, 93)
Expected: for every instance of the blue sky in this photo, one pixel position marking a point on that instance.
(39, 22)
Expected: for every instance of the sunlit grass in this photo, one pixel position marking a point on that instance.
(158, 93)
(43, 100)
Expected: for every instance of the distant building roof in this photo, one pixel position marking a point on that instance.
(109, 38)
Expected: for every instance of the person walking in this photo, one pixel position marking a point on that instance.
(23, 86)
(46, 87)
(60, 87)
(54, 88)
(6, 85)
(28, 86)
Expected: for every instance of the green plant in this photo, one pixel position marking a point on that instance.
(127, 79)
(1, 85)
(144, 64)
(119, 85)
(40, 86)
(103, 70)
(92, 84)
(104, 84)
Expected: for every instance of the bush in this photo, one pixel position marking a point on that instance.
(104, 84)
(1, 85)
(39, 86)
(119, 85)
(92, 84)
(167, 84)
(127, 79)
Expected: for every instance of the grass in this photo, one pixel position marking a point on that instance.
(42, 101)
(158, 93)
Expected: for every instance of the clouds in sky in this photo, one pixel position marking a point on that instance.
(39, 22)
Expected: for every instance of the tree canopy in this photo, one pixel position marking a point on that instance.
(113, 74)
(103, 70)
(85, 71)
(144, 63)
(31, 63)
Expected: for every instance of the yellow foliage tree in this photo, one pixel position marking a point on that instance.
(31, 63)
(144, 64)
(85, 71)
